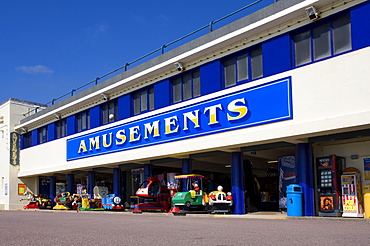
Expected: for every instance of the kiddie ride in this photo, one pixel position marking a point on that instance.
(194, 200)
(37, 201)
(154, 194)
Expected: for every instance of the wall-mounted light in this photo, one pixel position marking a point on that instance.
(104, 96)
(272, 162)
(179, 67)
(24, 129)
(312, 13)
(228, 166)
(57, 116)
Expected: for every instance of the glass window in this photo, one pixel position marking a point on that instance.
(27, 140)
(321, 41)
(43, 134)
(109, 111)
(186, 87)
(331, 38)
(302, 48)
(229, 68)
(243, 67)
(143, 100)
(256, 60)
(342, 34)
(61, 128)
(83, 121)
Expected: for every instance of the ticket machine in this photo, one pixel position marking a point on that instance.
(329, 171)
(352, 193)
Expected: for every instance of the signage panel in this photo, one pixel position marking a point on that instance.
(262, 104)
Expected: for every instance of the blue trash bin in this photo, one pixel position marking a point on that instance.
(294, 200)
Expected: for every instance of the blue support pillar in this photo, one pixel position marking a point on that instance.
(70, 183)
(90, 183)
(117, 181)
(186, 169)
(53, 189)
(237, 182)
(147, 171)
(304, 164)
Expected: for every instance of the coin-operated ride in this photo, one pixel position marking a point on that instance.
(62, 201)
(192, 197)
(41, 201)
(219, 201)
(154, 194)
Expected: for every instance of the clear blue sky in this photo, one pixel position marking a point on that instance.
(49, 47)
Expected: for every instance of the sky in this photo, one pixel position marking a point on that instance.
(50, 47)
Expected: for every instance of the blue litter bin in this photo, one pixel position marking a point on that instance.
(294, 200)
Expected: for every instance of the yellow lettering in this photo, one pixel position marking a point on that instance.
(192, 117)
(94, 143)
(242, 110)
(82, 146)
(170, 123)
(213, 113)
(151, 128)
(121, 137)
(105, 142)
(134, 133)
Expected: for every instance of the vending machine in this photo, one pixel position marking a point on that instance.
(352, 193)
(329, 171)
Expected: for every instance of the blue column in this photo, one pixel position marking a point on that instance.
(117, 181)
(237, 182)
(91, 183)
(52, 188)
(147, 171)
(304, 164)
(70, 183)
(186, 169)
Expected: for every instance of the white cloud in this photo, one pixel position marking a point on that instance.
(38, 69)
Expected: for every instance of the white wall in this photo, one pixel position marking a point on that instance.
(329, 96)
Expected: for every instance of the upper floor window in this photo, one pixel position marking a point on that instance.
(185, 87)
(27, 140)
(143, 100)
(83, 120)
(323, 41)
(109, 111)
(43, 134)
(61, 128)
(244, 66)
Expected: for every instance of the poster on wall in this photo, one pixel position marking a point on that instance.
(287, 175)
(22, 188)
(367, 168)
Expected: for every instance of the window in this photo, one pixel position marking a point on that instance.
(323, 41)
(61, 128)
(109, 111)
(27, 140)
(186, 87)
(242, 67)
(43, 134)
(143, 100)
(83, 121)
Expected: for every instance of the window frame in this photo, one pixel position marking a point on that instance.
(232, 64)
(186, 86)
(143, 100)
(106, 110)
(61, 128)
(42, 134)
(79, 116)
(331, 39)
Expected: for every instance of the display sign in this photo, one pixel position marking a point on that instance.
(14, 148)
(262, 104)
(367, 168)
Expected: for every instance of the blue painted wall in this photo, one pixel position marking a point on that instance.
(276, 55)
(210, 77)
(124, 107)
(71, 124)
(95, 117)
(360, 19)
(35, 137)
(162, 94)
(51, 131)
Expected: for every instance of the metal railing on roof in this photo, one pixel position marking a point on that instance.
(161, 49)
